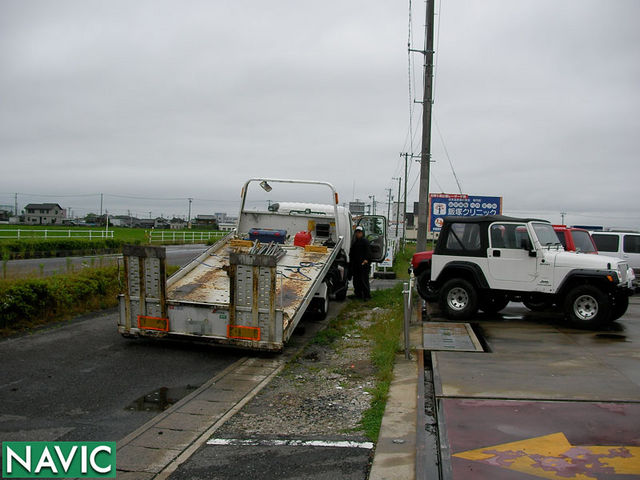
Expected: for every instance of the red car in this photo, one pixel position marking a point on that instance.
(575, 239)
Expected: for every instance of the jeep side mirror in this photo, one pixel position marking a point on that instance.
(525, 244)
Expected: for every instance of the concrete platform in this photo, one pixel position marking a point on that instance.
(545, 402)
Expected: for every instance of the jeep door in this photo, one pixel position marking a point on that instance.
(511, 267)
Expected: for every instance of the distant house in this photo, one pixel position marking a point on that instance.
(206, 221)
(44, 214)
(226, 227)
(4, 215)
(145, 223)
(162, 223)
(177, 224)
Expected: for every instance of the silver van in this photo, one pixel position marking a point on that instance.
(620, 244)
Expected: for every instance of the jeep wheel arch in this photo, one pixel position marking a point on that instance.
(460, 269)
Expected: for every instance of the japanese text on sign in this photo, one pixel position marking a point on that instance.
(455, 205)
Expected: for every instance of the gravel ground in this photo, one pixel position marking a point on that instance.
(322, 392)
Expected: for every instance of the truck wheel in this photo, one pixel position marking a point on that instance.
(320, 306)
(493, 303)
(424, 291)
(341, 295)
(620, 305)
(586, 305)
(458, 299)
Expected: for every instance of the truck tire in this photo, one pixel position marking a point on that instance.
(620, 305)
(320, 307)
(458, 299)
(587, 306)
(492, 303)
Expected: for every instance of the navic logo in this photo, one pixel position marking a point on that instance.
(59, 459)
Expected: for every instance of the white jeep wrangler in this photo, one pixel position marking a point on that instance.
(485, 262)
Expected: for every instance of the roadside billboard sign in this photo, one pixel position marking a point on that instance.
(460, 205)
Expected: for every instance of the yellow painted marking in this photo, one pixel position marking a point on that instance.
(554, 458)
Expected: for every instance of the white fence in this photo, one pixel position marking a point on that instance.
(37, 233)
(182, 236)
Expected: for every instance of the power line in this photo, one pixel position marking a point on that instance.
(446, 152)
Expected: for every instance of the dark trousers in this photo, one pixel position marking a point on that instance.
(361, 281)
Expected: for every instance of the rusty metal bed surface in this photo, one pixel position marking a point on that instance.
(208, 283)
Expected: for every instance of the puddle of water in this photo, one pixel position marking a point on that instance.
(160, 399)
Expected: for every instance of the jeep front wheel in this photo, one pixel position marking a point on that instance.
(458, 299)
(586, 305)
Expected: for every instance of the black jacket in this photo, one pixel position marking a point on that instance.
(360, 251)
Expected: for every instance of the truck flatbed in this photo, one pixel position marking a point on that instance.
(205, 281)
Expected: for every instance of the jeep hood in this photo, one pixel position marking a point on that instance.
(583, 260)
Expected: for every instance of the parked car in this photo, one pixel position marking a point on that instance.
(485, 262)
(620, 244)
(575, 239)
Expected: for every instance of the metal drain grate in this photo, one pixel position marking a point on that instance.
(447, 336)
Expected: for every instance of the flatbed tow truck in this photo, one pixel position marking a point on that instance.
(252, 287)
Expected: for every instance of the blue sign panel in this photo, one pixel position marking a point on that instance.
(453, 205)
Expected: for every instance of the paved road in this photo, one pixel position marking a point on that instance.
(176, 255)
(77, 382)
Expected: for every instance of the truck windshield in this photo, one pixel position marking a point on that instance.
(546, 234)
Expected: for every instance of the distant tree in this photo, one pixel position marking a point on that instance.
(91, 218)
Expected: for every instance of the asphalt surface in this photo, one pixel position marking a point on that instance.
(83, 381)
(176, 255)
(267, 462)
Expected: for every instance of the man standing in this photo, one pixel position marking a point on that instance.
(360, 264)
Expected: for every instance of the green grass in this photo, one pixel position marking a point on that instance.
(385, 334)
(33, 302)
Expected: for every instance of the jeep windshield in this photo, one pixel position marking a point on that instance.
(546, 234)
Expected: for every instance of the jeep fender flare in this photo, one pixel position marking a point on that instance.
(580, 276)
(423, 266)
(463, 269)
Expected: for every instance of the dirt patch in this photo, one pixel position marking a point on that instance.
(322, 392)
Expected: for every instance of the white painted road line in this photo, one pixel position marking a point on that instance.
(235, 442)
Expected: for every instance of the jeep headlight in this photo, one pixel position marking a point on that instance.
(622, 272)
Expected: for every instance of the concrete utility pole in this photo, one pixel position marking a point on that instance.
(373, 200)
(427, 105)
(404, 199)
(189, 218)
(101, 198)
(16, 206)
(389, 198)
(562, 214)
(398, 207)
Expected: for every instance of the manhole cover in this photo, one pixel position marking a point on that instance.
(458, 337)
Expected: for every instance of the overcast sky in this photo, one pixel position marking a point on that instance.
(537, 101)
